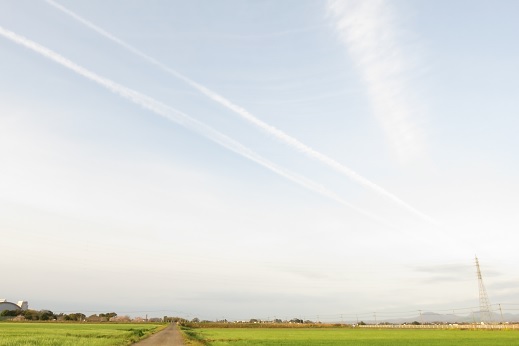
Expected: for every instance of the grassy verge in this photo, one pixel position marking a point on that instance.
(192, 337)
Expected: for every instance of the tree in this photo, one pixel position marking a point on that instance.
(296, 320)
(11, 312)
(74, 317)
(31, 315)
(43, 315)
(108, 315)
(46, 315)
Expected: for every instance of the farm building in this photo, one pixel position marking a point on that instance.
(5, 305)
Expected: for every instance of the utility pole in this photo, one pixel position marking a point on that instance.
(484, 303)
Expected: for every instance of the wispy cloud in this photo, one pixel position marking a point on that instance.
(248, 116)
(184, 120)
(368, 29)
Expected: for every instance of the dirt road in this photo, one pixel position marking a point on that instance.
(170, 336)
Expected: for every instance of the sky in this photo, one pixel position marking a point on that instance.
(252, 159)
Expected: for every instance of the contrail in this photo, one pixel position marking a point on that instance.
(184, 120)
(242, 112)
(367, 29)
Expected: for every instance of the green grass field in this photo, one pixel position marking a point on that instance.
(72, 334)
(350, 337)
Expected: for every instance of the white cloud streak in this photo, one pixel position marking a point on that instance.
(183, 119)
(367, 28)
(243, 113)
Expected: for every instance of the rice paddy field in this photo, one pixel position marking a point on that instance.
(72, 334)
(346, 337)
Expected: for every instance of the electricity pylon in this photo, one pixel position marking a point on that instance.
(484, 303)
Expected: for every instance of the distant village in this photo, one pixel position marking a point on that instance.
(20, 312)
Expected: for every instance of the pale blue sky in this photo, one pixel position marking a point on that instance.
(115, 207)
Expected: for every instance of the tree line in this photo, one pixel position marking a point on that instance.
(47, 315)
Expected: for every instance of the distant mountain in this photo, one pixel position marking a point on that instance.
(432, 317)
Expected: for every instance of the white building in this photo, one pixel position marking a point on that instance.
(21, 305)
